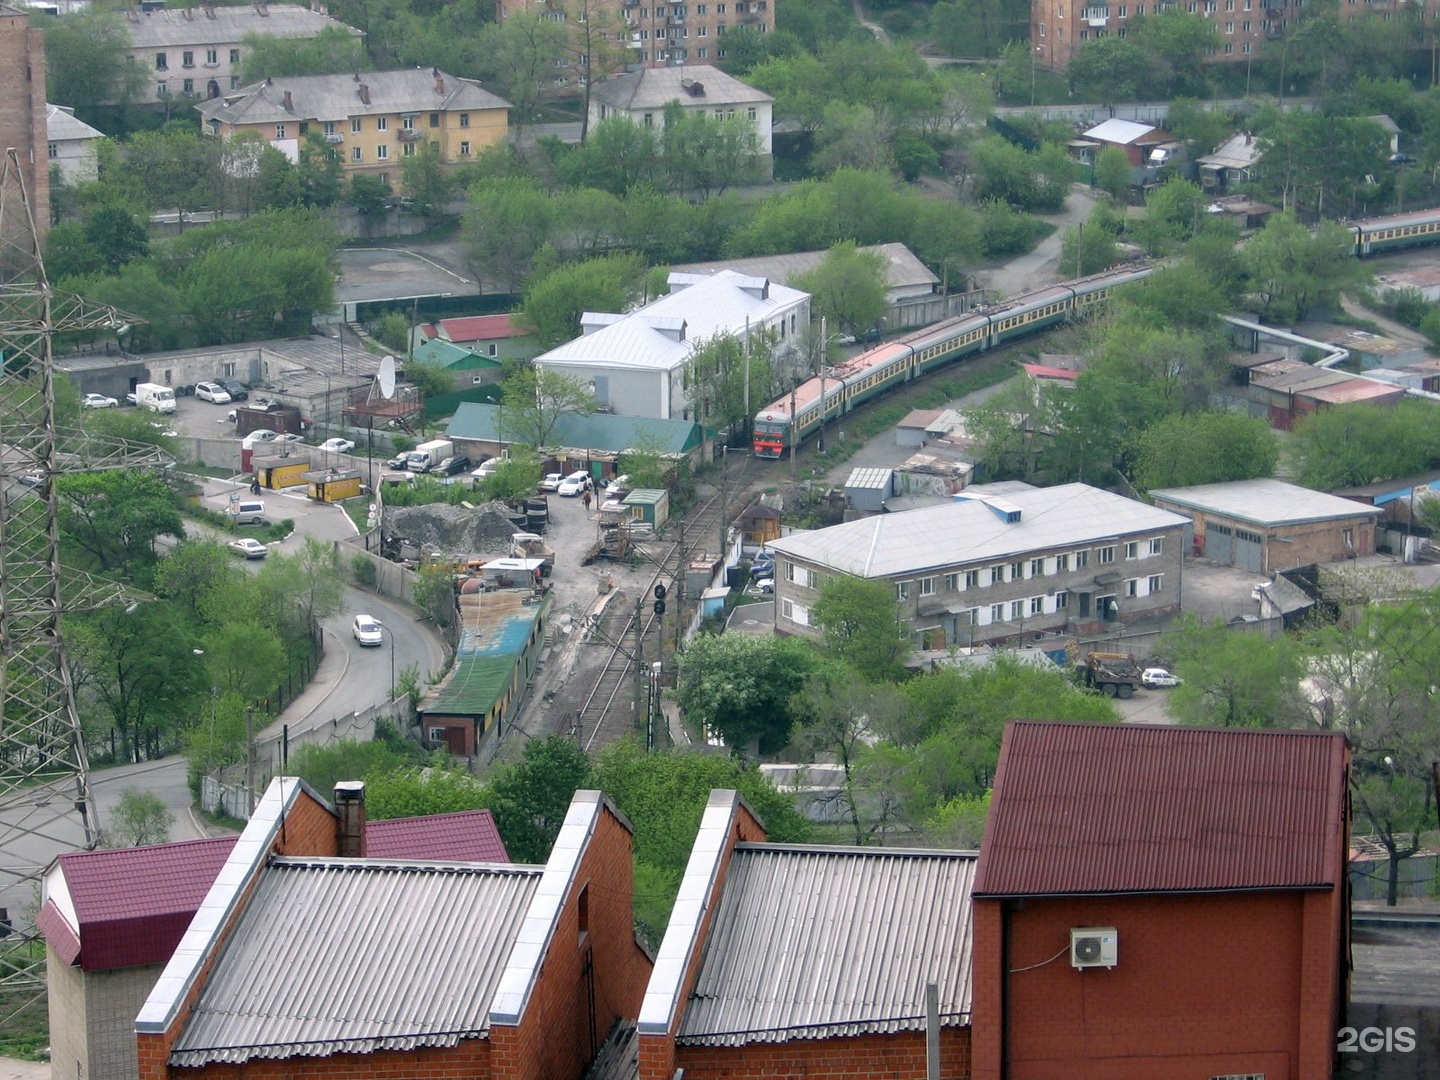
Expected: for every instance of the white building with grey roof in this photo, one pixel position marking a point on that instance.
(200, 50)
(71, 144)
(638, 362)
(998, 562)
(642, 96)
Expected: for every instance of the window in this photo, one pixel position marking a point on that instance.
(1037, 605)
(187, 86)
(1132, 586)
(492, 349)
(382, 123)
(1037, 567)
(927, 586)
(279, 131)
(212, 56)
(407, 123)
(1017, 610)
(972, 579)
(648, 119)
(997, 575)
(162, 62)
(800, 616)
(234, 56)
(1229, 28)
(702, 9)
(1245, 48)
(1157, 545)
(162, 89)
(383, 177)
(464, 119)
(1154, 584)
(952, 581)
(357, 153)
(719, 9)
(702, 53)
(465, 149)
(1062, 600)
(1132, 550)
(187, 59)
(751, 114)
(53, 150)
(434, 119)
(1017, 571)
(997, 613)
(902, 590)
(355, 125)
(408, 150)
(1347, 537)
(1104, 556)
(382, 152)
(968, 617)
(1062, 564)
(234, 82)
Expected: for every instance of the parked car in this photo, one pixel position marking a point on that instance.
(212, 392)
(131, 398)
(396, 462)
(486, 470)
(450, 466)
(765, 585)
(551, 481)
(1153, 678)
(763, 565)
(337, 446)
(249, 547)
(164, 429)
(99, 401)
(367, 630)
(287, 438)
(234, 387)
(574, 484)
(260, 434)
(617, 487)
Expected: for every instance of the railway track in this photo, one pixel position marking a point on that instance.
(609, 710)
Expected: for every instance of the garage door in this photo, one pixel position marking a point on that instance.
(1249, 550)
(1217, 542)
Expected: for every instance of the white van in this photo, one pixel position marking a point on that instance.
(248, 512)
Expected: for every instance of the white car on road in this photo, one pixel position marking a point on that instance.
(249, 547)
(337, 446)
(367, 630)
(99, 401)
(574, 484)
(212, 392)
(1153, 678)
(552, 481)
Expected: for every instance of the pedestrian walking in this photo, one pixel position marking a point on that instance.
(585, 498)
(255, 486)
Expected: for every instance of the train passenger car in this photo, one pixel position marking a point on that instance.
(1398, 231)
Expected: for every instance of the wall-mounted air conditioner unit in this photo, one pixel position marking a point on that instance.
(1094, 946)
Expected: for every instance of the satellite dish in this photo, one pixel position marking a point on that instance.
(386, 377)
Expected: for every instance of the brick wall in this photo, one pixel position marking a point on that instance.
(1205, 985)
(602, 970)
(469, 1060)
(309, 829)
(22, 113)
(112, 1000)
(657, 1052)
(69, 1040)
(893, 1057)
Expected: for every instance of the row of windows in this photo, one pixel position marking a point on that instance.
(1027, 607)
(1408, 230)
(187, 59)
(1023, 569)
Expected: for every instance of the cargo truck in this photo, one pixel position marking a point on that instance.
(427, 455)
(1112, 674)
(156, 398)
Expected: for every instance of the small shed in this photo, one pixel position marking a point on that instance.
(868, 489)
(650, 505)
(712, 601)
(278, 472)
(332, 485)
(760, 524)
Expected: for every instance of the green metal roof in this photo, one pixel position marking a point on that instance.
(604, 432)
(475, 684)
(440, 353)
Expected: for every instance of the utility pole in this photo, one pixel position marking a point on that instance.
(250, 757)
(824, 344)
(749, 416)
(680, 553)
(794, 430)
(724, 501)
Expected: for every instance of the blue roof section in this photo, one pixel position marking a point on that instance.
(604, 432)
(507, 639)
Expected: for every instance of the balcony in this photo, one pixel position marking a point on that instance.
(675, 20)
(410, 134)
(334, 138)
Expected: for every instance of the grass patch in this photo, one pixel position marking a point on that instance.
(270, 533)
(359, 512)
(25, 1034)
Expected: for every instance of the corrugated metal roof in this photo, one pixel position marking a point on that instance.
(814, 942)
(62, 125)
(479, 327)
(225, 25)
(1101, 808)
(1116, 130)
(464, 836)
(970, 532)
(654, 88)
(1263, 502)
(311, 967)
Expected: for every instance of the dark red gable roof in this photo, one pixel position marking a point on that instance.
(465, 836)
(1124, 808)
(479, 328)
(134, 904)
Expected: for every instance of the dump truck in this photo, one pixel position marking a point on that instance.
(1112, 674)
(530, 546)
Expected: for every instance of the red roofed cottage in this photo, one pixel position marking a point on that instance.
(1156, 902)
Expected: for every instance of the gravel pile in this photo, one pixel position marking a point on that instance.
(454, 530)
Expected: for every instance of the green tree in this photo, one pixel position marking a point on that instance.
(243, 658)
(333, 51)
(534, 399)
(320, 170)
(426, 180)
(438, 787)
(375, 761)
(116, 236)
(597, 43)
(618, 156)
(848, 286)
(519, 54)
(1174, 211)
(433, 592)
(862, 626)
(515, 477)
(115, 517)
(69, 253)
(1232, 679)
(1090, 248)
(86, 61)
(139, 818)
(1356, 444)
(368, 194)
(506, 222)
(1112, 169)
(714, 378)
(555, 302)
(531, 797)
(1109, 70)
(1205, 448)
(1179, 42)
(739, 686)
(705, 155)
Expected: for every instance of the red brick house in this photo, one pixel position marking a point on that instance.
(787, 960)
(308, 958)
(1157, 902)
(112, 918)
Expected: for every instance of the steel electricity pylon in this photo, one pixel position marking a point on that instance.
(45, 803)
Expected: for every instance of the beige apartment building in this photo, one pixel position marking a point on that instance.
(376, 119)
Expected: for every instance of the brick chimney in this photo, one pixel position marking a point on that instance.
(439, 81)
(289, 104)
(350, 819)
(365, 93)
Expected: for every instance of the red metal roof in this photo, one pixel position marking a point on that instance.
(479, 328)
(1101, 808)
(1044, 371)
(466, 836)
(134, 904)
